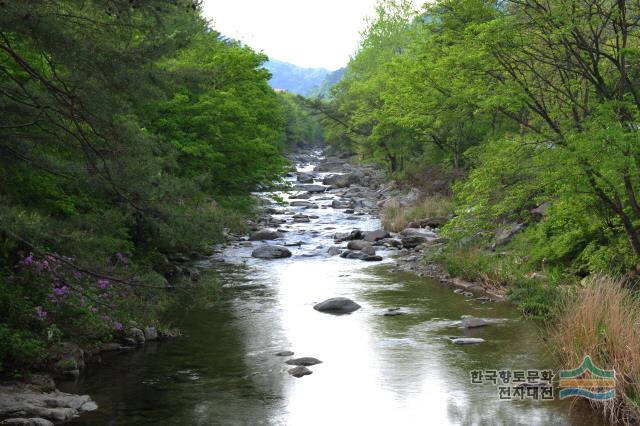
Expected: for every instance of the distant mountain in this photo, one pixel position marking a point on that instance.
(329, 81)
(295, 79)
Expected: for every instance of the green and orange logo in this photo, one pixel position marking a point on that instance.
(588, 381)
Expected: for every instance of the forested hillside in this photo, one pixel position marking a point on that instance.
(533, 108)
(130, 132)
(295, 79)
(324, 89)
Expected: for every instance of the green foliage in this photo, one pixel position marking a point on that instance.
(537, 103)
(129, 131)
(19, 347)
(302, 127)
(410, 95)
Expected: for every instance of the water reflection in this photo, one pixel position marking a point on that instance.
(376, 369)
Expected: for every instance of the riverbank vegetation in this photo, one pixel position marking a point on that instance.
(131, 135)
(534, 108)
(601, 317)
(396, 217)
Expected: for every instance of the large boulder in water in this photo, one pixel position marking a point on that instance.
(305, 177)
(372, 236)
(467, 321)
(358, 244)
(307, 361)
(299, 371)
(264, 234)
(271, 252)
(339, 181)
(337, 305)
(352, 254)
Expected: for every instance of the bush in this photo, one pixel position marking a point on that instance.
(19, 347)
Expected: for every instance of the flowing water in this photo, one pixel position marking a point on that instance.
(375, 369)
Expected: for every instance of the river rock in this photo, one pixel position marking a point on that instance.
(301, 218)
(432, 222)
(136, 334)
(338, 181)
(284, 353)
(404, 200)
(263, 235)
(331, 164)
(352, 254)
(466, 340)
(372, 236)
(305, 177)
(271, 252)
(412, 237)
(21, 421)
(467, 321)
(301, 196)
(302, 203)
(392, 242)
(151, 333)
(369, 250)
(337, 305)
(306, 361)
(423, 233)
(312, 188)
(54, 406)
(334, 251)
(341, 204)
(372, 258)
(358, 244)
(299, 371)
(356, 234)
(506, 234)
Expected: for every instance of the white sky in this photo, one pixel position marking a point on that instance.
(308, 33)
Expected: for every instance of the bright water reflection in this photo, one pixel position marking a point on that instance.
(376, 370)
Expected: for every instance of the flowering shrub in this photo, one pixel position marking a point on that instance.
(50, 297)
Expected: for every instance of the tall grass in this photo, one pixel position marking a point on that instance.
(602, 319)
(396, 218)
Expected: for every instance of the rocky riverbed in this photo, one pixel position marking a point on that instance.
(358, 192)
(307, 326)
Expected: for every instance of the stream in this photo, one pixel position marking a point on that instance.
(375, 369)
